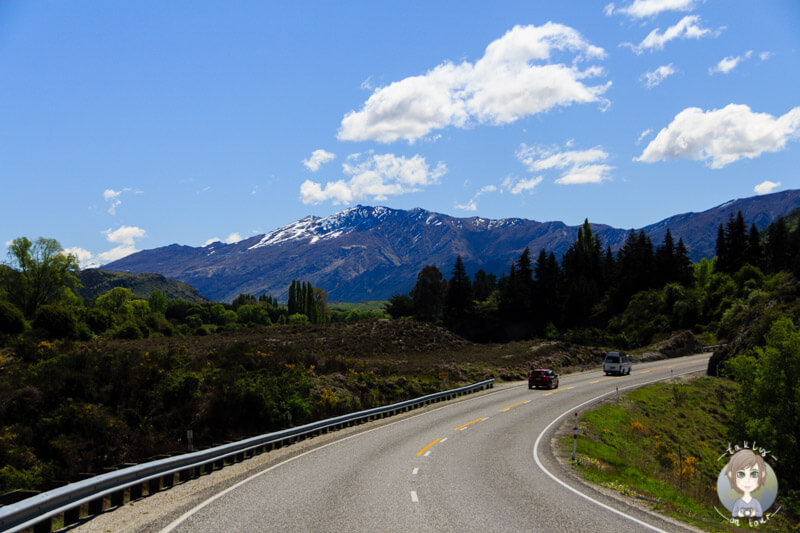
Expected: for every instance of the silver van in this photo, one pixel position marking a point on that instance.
(617, 363)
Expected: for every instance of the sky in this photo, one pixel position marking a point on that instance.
(132, 125)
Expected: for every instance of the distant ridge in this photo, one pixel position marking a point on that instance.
(371, 253)
(96, 282)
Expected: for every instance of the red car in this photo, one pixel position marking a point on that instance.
(542, 377)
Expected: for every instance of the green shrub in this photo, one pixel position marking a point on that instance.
(98, 320)
(56, 322)
(298, 318)
(128, 330)
(12, 321)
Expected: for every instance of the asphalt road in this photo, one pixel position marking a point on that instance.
(481, 464)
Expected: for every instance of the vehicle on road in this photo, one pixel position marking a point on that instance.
(542, 377)
(617, 363)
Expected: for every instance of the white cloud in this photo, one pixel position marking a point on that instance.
(765, 55)
(85, 257)
(110, 195)
(722, 136)
(377, 178)
(729, 63)
(644, 134)
(686, 28)
(231, 239)
(576, 166)
(472, 205)
(125, 237)
(317, 159)
(766, 187)
(512, 80)
(519, 185)
(654, 78)
(648, 8)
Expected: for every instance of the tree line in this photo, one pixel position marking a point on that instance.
(592, 289)
(38, 297)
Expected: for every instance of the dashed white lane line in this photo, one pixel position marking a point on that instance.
(414, 498)
(415, 472)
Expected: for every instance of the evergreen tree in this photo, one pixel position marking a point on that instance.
(546, 289)
(777, 247)
(458, 301)
(428, 293)
(754, 252)
(484, 285)
(721, 251)
(635, 270)
(665, 263)
(736, 243)
(684, 272)
(583, 276)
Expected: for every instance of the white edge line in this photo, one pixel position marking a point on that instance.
(178, 521)
(576, 491)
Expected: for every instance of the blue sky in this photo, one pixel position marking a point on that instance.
(128, 126)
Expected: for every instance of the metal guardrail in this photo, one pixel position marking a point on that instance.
(713, 347)
(38, 511)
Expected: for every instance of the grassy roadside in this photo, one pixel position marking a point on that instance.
(663, 442)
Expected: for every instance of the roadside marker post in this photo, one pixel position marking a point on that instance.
(617, 393)
(575, 437)
(189, 437)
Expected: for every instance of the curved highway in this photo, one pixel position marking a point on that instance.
(479, 464)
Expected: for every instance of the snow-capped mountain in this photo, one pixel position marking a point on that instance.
(371, 253)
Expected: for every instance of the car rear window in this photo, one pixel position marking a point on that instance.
(612, 359)
(540, 372)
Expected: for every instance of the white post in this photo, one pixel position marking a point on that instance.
(189, 436)
(575, 437)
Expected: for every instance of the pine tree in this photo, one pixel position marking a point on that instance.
(484, 285)
(428, 293)
(777, 247)
(721, 250)
(458, 301)
(754, 252)
(736, 242)
(583, 276)
(684, 270)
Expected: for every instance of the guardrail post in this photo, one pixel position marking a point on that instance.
(71, 516)
(117, 498)
(136, 491)
(45, 526)
(154, 485)
(96, 506)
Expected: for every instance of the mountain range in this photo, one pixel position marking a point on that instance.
(371, 253)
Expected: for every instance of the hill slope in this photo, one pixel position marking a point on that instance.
(371, 253)
(96, 282)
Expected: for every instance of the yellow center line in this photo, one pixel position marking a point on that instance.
(468, 423)
(504, 409)
(681, 364)
(557, 390)
(603, 379)
(423, 450)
